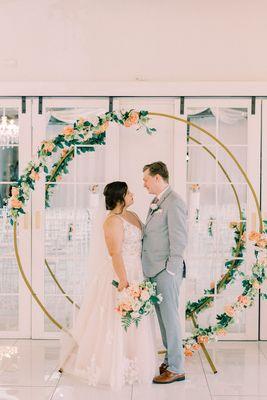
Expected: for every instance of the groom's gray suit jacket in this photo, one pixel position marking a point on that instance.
(165, 235)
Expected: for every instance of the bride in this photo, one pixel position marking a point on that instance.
(97, 348)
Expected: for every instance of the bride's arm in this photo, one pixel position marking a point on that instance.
(113, 230)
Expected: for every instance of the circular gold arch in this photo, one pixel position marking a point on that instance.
(189, 123)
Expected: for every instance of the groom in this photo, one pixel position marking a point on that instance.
(164, 240)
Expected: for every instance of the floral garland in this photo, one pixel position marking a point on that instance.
(81, 133)
(93, 133)
(251, 286)
(232, 267)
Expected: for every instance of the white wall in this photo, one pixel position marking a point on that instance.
(123, 40)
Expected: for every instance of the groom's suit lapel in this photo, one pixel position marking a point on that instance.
(164, 197)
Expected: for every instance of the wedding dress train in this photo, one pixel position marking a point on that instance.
(98, 349)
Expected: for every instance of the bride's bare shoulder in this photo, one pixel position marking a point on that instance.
(112, 221)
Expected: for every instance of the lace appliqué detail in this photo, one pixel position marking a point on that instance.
(93, 372)
(131, 372)
(132, 245)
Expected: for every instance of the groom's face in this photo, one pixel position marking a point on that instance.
(150, 182)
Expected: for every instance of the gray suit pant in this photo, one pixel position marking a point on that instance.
(168, 317)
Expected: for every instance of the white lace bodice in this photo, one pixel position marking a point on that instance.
(132, 244)
(131, 251)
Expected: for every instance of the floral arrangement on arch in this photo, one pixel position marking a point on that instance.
(83, 132)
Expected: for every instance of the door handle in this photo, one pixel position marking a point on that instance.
(37, 218)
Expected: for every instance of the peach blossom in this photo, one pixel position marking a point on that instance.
(34, 175)
(243, 300)
(15, 203)
(68, 131)
(229, 311)
(254, 236)
(59, 178)
(14, 191)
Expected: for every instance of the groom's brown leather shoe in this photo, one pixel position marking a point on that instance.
(169, 377)
(163, 368)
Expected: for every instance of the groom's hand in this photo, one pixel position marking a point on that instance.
(123, 285)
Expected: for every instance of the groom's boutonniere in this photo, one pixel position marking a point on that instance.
(154, 208)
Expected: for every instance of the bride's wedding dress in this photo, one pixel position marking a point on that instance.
(99, 350)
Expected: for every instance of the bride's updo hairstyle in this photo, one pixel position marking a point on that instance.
(114, 193)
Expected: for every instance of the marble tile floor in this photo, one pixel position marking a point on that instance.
(28, 372)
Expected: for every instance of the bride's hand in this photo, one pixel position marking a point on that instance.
(123, 285)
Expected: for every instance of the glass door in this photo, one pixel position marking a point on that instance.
(263, 303)
(61, 232)
(213, 205)
(15, 152)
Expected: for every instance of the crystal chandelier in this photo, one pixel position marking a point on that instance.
(9, 131)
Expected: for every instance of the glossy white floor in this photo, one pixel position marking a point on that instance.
(29, 373)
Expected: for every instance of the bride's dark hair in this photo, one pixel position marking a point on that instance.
(114, 193)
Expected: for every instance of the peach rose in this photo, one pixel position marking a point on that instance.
(14, 191)
(256, 285)
(196, 346)
(254, 236)
(126, 307)
(68, 131)
(188, 352)
(202, 339)
(229, 311)
(127, 123)
(102, 128)
(34, 175)
(59, 178)
(15, 203)
(64, 152)
(135, 292)
(48, 146)
(133, 117)
(221, 332)
(262, 243)
(243, 300)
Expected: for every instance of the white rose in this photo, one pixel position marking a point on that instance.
(135, 315)
(136, 306)
(145, 295)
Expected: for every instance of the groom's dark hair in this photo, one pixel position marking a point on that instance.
(159, 168)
